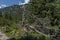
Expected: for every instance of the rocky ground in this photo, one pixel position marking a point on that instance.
(3, 36)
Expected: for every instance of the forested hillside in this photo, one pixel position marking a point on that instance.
(41, 20)
(12, 13)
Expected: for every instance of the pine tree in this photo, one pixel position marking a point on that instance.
(46, 8)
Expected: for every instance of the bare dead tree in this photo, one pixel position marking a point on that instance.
(23, 16)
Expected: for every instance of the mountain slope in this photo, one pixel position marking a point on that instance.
(12, 12)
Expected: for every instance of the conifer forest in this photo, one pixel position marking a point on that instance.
(36, 20)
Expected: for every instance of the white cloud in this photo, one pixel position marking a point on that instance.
(26, 1)
(2, 6)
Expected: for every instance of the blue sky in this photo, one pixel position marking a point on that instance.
(10, 2)
(6, 3)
